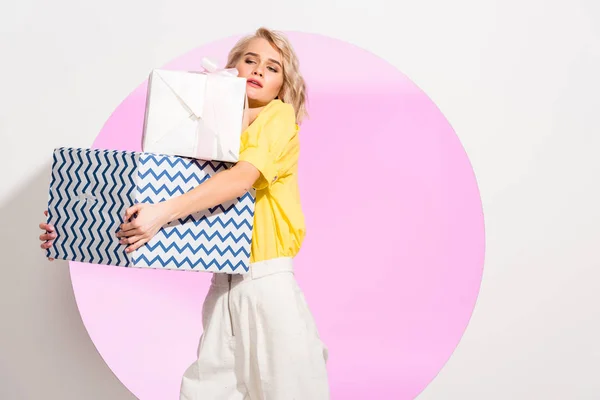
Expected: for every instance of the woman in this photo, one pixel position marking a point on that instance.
(260, 340)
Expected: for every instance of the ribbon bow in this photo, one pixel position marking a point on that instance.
(211, 67)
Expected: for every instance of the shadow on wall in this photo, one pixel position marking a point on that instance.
(46, 350)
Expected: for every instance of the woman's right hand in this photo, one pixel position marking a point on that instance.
(48, 236)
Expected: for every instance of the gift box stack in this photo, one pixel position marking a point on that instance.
(192, 129)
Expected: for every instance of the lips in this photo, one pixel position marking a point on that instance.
(254, 83)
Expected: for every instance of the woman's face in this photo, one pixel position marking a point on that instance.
(262, 67)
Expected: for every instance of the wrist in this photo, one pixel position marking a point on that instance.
(169, 210)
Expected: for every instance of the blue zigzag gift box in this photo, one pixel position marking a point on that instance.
(91, 189)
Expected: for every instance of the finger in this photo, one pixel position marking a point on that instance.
(130, 240)
(129, 226)
(48, 236)
(46, 213)
(46, 245)
(132, 210)
(136, 245)
(50, 259)
(124, 228)
(46, 227)
(129, 233)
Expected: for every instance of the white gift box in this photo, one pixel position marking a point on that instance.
(195, 114)
(90, 190)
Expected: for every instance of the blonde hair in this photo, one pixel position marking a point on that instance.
(293, 90)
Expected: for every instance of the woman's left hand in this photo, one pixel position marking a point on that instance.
(150, 218)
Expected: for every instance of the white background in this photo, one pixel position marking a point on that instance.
(518, 80)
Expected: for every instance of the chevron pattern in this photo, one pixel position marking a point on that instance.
(217, 239)
(90, 190)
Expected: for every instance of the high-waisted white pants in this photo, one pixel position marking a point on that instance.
(260, 341)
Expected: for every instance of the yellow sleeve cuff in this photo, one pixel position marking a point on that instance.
(263, 164)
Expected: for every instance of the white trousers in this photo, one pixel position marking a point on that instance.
(260, 341)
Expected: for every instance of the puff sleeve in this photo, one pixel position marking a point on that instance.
(271, 144)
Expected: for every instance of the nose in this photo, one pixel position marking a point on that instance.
(258, 71)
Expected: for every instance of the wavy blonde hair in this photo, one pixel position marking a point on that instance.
(293, 90)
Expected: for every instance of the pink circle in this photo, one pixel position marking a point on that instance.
(393, 259)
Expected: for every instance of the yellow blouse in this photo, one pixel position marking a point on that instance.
(272, 145)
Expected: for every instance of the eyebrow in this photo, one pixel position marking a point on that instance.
(270, 59)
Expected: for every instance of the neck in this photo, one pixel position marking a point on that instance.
(257, 104)
(254, 108)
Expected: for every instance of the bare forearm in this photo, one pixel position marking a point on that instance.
(222, 187)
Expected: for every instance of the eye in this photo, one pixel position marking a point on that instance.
(249, 61)
(272, 69)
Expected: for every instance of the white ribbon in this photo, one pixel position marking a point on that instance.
(205, 136)
(211, 67)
